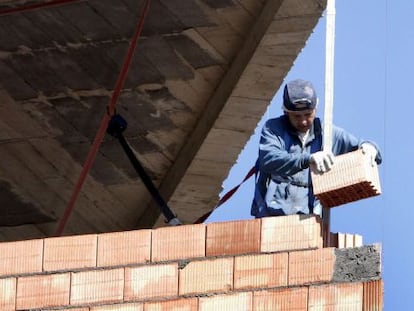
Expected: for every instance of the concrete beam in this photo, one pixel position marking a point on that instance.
(213, 108)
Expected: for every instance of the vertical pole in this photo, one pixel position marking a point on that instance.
(328, 113)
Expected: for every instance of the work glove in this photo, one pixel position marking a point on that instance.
(322, 161)
(370, 151)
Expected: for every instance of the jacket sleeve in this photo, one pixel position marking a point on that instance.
(273, 156)
(344, 142)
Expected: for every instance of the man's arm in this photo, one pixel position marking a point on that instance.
(273, 156)
(344, 142)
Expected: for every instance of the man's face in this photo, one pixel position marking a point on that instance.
(301, 120)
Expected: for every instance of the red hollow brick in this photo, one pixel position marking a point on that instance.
(8, 294)
(123, 248)
(180, 242)
(206, 276)
(235, 301)
(119, 307)
(352, 178)
(184, 304)
(345, 240)
(288, 299)
(291, 233)
(264, 270)
(70, 252)
(311, 266)
(151, 281)
(236, 237)
(340, 296)
(97, 286)
(43, 291)
(21, 257)
(71, 309)
(373, 296)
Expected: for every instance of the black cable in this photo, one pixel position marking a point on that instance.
(115, 128)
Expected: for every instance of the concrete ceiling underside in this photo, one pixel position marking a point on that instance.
(203, 74)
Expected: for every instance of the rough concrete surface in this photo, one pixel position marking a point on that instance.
(357, 264)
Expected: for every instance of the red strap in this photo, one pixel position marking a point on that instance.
(104, 123)
(35, 6)
(227, 196)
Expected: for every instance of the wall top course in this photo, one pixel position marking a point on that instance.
(140, 247)
(251, 267)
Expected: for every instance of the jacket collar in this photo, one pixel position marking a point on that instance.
(315, 130)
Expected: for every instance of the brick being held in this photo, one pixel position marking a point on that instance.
(352, 178)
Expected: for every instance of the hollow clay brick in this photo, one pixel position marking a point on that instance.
(353, 177)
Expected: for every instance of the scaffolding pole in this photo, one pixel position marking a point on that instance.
(328, 111)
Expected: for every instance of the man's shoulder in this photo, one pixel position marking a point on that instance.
(277, 122)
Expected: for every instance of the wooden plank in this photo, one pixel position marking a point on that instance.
(298, 38)
(191, 52)
(186, 94)
(32, 187)
(37, 74)
(71, 74)
(97, 63)
(241, 114)
(17, 32)
(20, 233)
(301, 8)
(218, 4)
(226, 137)
(224, 40)
(163, 57)
(254, 7)
(141, 70)
(210, 168)
(264, 79)
(294, 23)
(95, 203)
(244, 107)
(84, 114)
(159, 19)
(221, 153)
(19, 123)
(189, 13)
(240, 123)
(16, 209)
(88, 21)
(205, 45)
(238, 18)
(119, 16)
(52, 23)
(15, 85)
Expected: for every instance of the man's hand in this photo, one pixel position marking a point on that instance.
(371, 151)
(322, 160)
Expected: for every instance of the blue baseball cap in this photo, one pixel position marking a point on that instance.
(299, 95)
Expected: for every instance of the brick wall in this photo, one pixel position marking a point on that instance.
(274, 263)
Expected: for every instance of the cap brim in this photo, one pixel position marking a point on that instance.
(303, 110)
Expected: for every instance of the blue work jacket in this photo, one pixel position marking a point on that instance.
(283, 183)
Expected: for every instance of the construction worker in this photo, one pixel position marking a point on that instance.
(290, 144)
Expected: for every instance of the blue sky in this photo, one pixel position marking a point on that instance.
(374, 44)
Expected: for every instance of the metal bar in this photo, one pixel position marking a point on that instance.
(166, 211)
(329, 75)
(329, 91)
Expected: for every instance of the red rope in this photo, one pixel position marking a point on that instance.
(35, 6)
(104, 123)
(227, 196)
